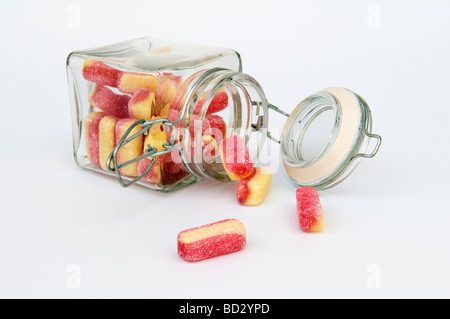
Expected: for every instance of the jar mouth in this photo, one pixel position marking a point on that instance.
(311, 129)
(245, 115)
(325, 137)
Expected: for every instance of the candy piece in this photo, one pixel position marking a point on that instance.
(218, 103)
(309, 210)
(107, 139)
(213, 125)
(210, 148)
(211, 240)
(141, 104)
(131, 150)
(154, 174)
(173, 116)
(165, 111)
(106, 100)
(98, 72)
(131, 82)
(235, 157)
(91, 128)
(252, 190)
(165, 90)
(156, 137)
(217, 128)
(173, 173)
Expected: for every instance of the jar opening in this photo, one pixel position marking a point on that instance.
(311, 130)
(324, 138)
(220, 103)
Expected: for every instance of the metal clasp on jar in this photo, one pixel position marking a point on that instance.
(150, 151)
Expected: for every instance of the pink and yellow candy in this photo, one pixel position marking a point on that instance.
(235, 157)
(252, 190)
(132, 82)
(142, 104)
(106, 100)
(98, 72)
(91, 129)
(107, 139)
(211, 240)
(156, 137)
(130, 150)
(309, 209)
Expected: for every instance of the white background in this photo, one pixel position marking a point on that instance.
(386, 228)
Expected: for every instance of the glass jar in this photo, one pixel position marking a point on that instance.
(152, 112)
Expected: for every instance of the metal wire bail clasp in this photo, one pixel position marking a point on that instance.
(111, 162)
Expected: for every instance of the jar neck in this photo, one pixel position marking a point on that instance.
(199, 130)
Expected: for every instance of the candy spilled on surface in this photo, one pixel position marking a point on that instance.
(252, 190)
(211, 240)
(309, 209)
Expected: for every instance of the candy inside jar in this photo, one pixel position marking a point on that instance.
(174, 101)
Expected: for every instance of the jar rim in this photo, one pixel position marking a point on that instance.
(210, 82)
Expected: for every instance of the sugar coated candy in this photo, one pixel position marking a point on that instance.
(309, 209)
(98, 72)
(252, 190)
(91, 130)
(141, 104)
(132, 82)
(156, 138)
(218, 103)
(130, 150)
(107, 139)
(106, 100)
(216, 127)
(165, 90)
(235, 157)
(211, 240)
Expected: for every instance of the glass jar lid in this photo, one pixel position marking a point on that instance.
(325, 137)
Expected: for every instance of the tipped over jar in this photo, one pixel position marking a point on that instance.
(153, 112)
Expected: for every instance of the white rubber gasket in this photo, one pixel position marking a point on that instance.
(337, 153)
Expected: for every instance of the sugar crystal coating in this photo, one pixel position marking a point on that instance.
(211, 240)
(309, 209)
(252, 190)
(91, 127)
(216, 127)
(218, 103)
(142, 104)
(132, 82)
(107, 139)
(235, 157)
(98, 72)
(166, 89)
(130, 150)
(106, 100)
